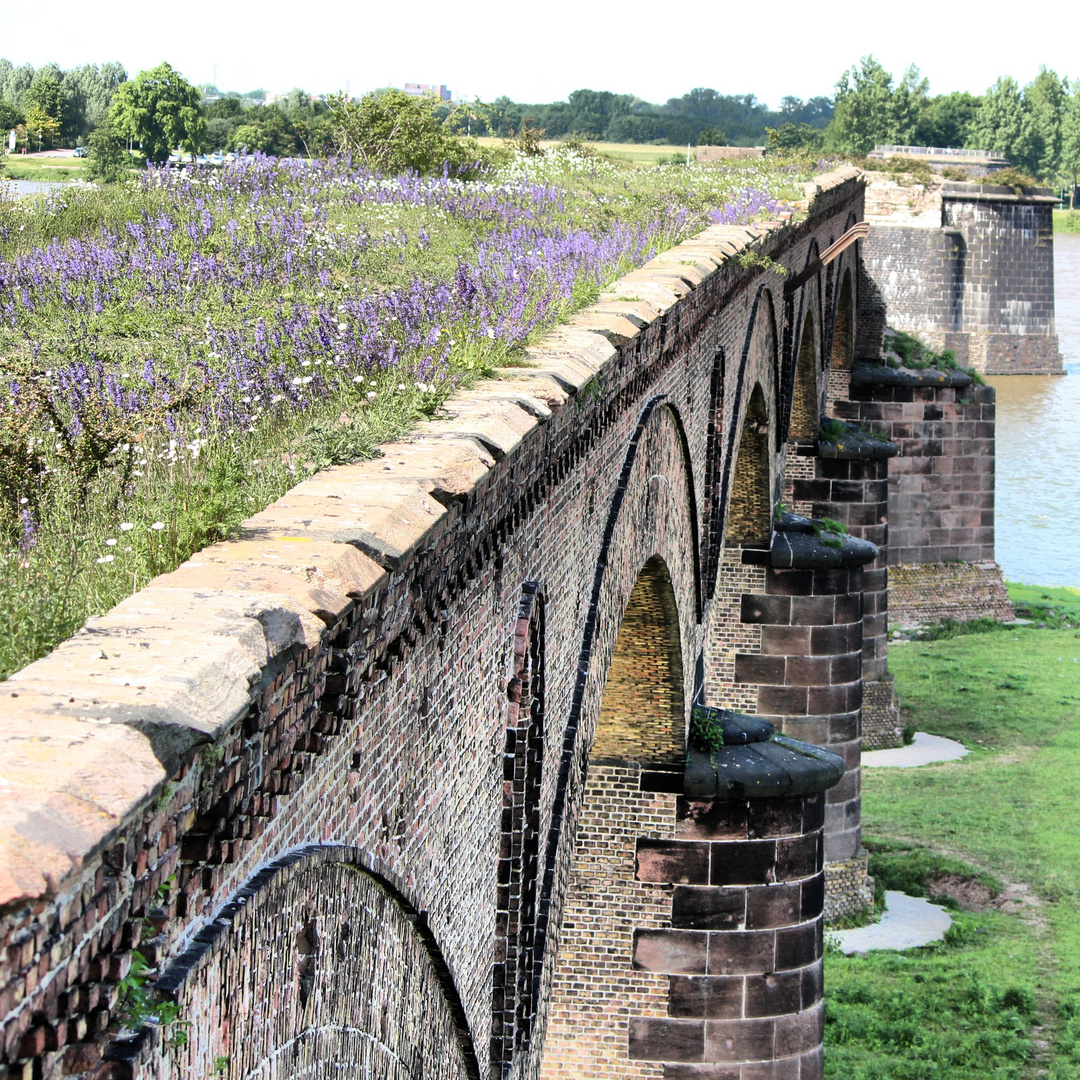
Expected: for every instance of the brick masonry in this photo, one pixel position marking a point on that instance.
(377, 707)
(969, 267)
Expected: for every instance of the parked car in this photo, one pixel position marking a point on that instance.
(82, 151)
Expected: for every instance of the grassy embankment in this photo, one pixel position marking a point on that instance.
(999, 999)
(17, 167)
(1067, 221)
(635, 153)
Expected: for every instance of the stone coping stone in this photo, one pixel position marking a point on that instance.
(736, 728)
(776, 768)
(872, 373)
(798, 545)
(856, 445)
(89, 734)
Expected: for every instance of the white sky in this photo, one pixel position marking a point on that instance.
(541, 51)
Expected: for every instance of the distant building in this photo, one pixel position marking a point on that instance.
(420, 89)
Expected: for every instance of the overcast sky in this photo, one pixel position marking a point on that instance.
(537, 52)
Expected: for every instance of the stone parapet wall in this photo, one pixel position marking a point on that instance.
(923, 593)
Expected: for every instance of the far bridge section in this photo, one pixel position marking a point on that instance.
(967, 266)
(529, 749)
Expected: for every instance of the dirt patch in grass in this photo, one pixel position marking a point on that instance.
(970, 894)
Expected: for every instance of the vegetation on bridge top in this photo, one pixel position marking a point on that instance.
(177, 352)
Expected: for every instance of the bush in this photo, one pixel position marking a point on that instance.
(394, 132)
(109, 160)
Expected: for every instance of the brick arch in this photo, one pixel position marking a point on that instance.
(299, 974)
(756, 374)
(805, 397)
(516, 971)
(842, 353)
(749, 517)
(645, 582)
(642, 711)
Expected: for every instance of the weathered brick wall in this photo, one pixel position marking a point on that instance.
(929, 592)
(349, 675)
(968, 267)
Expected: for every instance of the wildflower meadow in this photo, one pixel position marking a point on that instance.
(177, 352)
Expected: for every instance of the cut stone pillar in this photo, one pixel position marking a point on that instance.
(743, 951)
(809, 675)
(851, 485)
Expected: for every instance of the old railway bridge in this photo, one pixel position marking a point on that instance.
(398, 784)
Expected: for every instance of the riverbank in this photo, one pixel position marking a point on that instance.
(997, 836)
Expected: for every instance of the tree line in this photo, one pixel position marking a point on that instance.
(1036, 126)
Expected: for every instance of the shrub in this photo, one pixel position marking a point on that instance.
(395, 132)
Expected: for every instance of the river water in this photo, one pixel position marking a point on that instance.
(1038, 449)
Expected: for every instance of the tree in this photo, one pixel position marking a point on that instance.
(1045, 101)
(789, 138)
(865, 113)
(161, 110)
(109, 159)
(10, 117)
(394, 132)
(250, 138)
(42, 126)
(1002, 123)
(947, 120)
(1070, 151)
(711, 136)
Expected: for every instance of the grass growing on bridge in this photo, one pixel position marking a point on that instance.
(1000, 998)
(177, 352)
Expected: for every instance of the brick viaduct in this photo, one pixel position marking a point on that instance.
(398, 784)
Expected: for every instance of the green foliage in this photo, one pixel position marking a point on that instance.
(109, 159)
(712, 136)
(393, 132)
(249, 138)
(869, 110)
(1067, 221)
(749, 258)
(161, 110)
(10, 117)
(1003, 124)
(705, 731)
(1020, 182)
(42, 130)
(792, 138)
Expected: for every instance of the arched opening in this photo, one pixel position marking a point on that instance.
(750, 512)
(805, 408)
(843, 343)
(642, 715)
(640, 723)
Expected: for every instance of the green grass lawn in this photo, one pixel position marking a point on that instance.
(16, 167)
(1000, 998)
